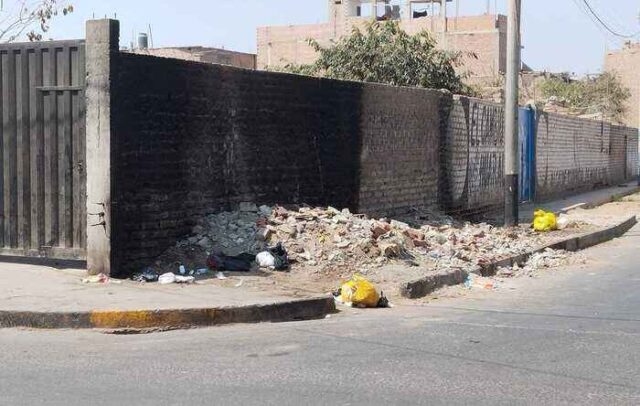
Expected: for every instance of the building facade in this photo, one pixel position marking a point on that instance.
(482, 38)
(624, 63)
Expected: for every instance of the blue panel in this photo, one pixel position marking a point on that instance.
(527, 144)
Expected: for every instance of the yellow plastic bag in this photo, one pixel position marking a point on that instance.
(360, 292)
(544, 221)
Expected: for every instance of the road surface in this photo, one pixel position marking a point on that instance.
(571, 336)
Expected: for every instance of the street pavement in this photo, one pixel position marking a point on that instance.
(569, 336)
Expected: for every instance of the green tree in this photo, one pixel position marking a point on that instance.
(600, 94)
(28, 18)
(384, 53)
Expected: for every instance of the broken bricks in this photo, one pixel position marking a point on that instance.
(329, 239)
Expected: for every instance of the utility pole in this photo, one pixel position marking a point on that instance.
(511, 161)
(443, 11)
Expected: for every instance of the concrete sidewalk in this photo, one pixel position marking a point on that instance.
(38, 296)
(585, 200)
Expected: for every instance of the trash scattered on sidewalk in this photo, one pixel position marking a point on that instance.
(147, 275)
(266, 260)
(238, 263)
(100, 278)
(544, 221)
(329, 239)
(280, 256)
(324, 244)
(383, 302)
(185, 279)
(220, 275)
(548, 258)
(167, 278)
(359, 292)
(479, 282)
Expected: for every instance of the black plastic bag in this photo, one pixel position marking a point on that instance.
(281, 257)
(238, 263)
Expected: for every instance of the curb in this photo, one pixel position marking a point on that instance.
(295, 310)
(424, 286)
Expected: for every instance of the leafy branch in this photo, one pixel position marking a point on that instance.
(29, 18)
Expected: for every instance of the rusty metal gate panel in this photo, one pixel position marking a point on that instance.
(42, 150)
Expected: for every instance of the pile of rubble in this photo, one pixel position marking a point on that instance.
(543, 260)
(338, 242)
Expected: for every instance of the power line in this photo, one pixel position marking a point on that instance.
(604, 23)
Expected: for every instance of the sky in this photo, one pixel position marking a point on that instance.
(558, 35)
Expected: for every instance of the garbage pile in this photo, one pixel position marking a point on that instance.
(336, 242)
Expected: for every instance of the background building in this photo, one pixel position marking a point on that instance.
(624, 63)
(482, 38)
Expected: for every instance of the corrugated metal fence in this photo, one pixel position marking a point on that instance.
(43, 182)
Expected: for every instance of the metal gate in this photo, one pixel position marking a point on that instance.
(43, 181)
(527, 144)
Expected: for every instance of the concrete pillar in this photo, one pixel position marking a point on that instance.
(102, 46)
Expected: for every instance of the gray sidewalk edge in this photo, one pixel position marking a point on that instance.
(289, 310)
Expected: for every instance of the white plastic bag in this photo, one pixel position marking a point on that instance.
(185, 279)
(266, 260)
(167, 278)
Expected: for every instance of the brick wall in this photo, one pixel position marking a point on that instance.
(399, 162)
(192, 139)
(575, 154)
(472, 154)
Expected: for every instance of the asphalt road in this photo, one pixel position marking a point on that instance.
(571, 336)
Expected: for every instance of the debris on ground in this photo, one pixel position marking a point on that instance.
(239, 263)
(548, 258)
(280, 257)
(544, 221)
(359, 292)
(266, 260)
(480, 282)
(323, 244)
(147, 275)
(100, 278)
(169, 278)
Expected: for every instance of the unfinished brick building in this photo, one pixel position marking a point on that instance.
(624, 63)
(483, 35)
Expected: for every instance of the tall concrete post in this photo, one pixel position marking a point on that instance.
(102, 43)
(511, 159)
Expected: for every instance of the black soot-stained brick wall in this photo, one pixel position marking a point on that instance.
(193, 139)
